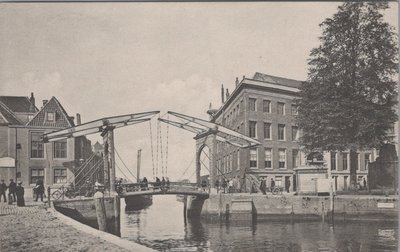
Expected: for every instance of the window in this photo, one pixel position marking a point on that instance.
(391, 129)
(282, 158)
(295, 158)
(281, 108)
(253, 158)
(367, 159)
(36, 174)
(266, 106)
(267, 131)
(333, 160)
(36, 145)
(345, 158)
(60, 175)
(237, 110)
(60, 149)
(281, 131)
(252, 104)
(295, 110)
(268, 158)
(228, 164)
(50, 116)
(252, 129)
(295, 133)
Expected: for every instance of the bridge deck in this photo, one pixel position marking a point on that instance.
(136, 189)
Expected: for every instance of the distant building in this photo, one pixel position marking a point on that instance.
(263, 108)
(98, 148)
(24, 156)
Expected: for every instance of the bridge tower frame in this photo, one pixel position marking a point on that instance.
(208, 139)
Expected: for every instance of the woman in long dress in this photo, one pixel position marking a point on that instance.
(20, 194)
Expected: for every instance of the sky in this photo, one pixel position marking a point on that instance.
(108, 59)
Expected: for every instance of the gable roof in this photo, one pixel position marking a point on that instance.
(18, 104)
(277, 80)
(62, 120)
(7, 116)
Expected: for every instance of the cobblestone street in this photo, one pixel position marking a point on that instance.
(33, 228)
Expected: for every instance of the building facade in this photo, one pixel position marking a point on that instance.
(263, 107)
(24, 156)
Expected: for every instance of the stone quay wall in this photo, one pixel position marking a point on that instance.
(290, 207)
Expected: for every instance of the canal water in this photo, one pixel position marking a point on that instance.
(162, 227)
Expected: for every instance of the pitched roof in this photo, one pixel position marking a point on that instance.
(61, 120)
(277, 80)
(18, 104)
(7, 116)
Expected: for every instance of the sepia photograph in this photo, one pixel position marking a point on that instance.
(199, 126)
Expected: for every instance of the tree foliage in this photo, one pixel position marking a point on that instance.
(348, 100)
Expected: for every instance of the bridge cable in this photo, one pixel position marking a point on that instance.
(166, 155)
(187, 168)
(151, 145)
(161, 151)
(122, 172)
(124, 163)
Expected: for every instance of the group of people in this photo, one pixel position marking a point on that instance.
(263, 185)
(162, 184)
(15, 192)
(226, 185)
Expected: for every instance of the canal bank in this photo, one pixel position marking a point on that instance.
(291, 207)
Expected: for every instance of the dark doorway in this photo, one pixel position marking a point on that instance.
(294, 183)
(287, 183)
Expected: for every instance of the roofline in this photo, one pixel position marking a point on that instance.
(11, 113)
(242, 84)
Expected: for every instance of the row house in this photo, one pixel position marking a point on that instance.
(263, 107)
(24, 156)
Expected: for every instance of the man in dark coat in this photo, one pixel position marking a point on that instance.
(39, 190)
(272, 184)
(3, 188)
(19, 190)
(11, 192)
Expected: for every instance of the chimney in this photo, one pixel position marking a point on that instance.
(237, 81)
(78, 119)
(222, 94)
(227, 94)
(45, 102)
(32, 99)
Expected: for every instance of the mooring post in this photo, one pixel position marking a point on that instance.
(117, 211)
(100, 210)
(48, 195)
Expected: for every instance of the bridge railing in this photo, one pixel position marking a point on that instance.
(153, 186)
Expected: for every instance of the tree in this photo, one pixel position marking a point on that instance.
(347, 102)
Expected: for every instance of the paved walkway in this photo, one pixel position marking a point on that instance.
(31, 207)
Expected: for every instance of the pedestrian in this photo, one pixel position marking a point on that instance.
(167, 183)
(230, 186)
(19, 190)
(263, 186)
(11, 192)
(3, 189)
(217, 185)
(158, 183)
(238, 185)
(145, 183)
(287, 185)
(204, 184)
(364, 183)
(224, 184)
(39, 190)
(272, 184)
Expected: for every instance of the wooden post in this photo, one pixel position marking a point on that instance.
(139, 156)
(100, 210)
(117, 210)
(112, 159)
(48, 195)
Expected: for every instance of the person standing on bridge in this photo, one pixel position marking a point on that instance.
(3, 189)
(217, 185)
(157, 184)
(224, 184)
(145, 183)
(204, 184)
(162, 183)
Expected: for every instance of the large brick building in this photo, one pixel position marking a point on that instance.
(263, 108)
(24, 156)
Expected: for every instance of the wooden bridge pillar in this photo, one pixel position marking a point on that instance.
(109, 158)
(208, 139)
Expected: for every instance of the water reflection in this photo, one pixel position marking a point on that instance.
(162, 227)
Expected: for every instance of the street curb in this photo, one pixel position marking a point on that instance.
(126, 244)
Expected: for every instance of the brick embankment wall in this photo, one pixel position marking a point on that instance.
(291, 207)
